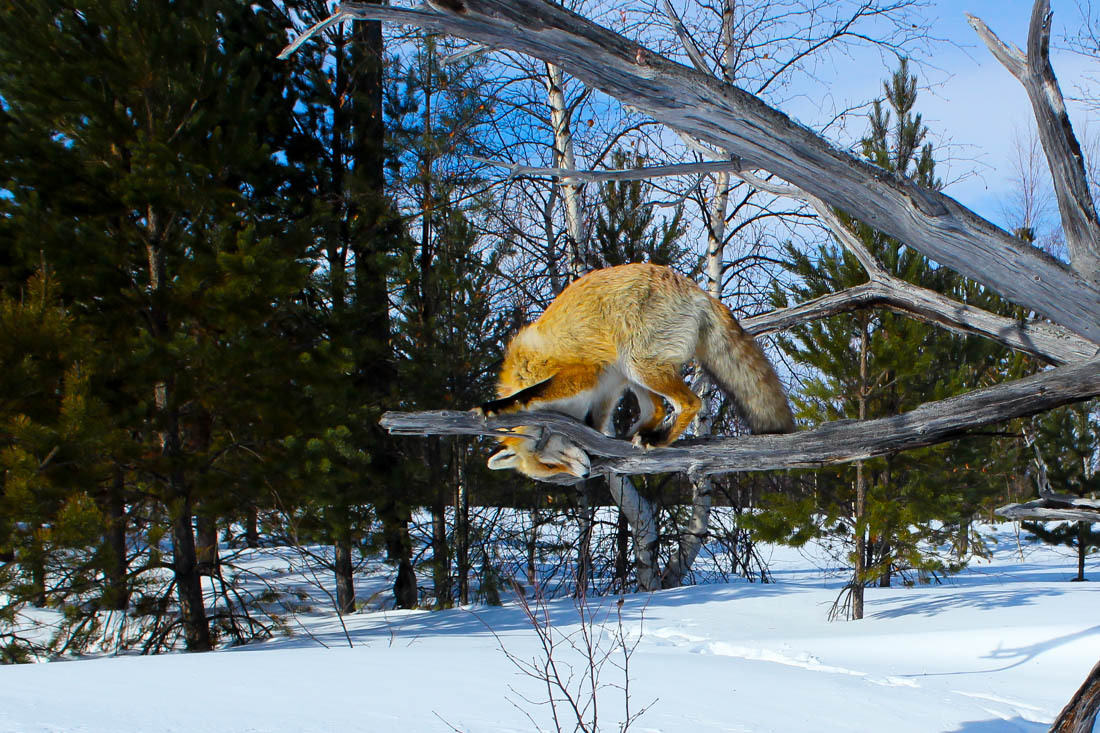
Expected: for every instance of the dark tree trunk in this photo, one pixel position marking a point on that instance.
(441, 552)
(395, 535)
(252, 528)
(206, 544)
(345, 584)
(1082, 549)
(462, 524)
(196, 630)
(585, 514)
(116, 594)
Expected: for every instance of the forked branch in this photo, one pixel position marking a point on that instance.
(1063, 152)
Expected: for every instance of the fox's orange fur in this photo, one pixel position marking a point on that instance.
(629, 327)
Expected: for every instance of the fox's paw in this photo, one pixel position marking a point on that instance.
(647, 439)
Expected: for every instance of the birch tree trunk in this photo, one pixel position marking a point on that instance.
(565, 158)
(643, 521)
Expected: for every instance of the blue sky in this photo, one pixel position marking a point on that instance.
(972, 105)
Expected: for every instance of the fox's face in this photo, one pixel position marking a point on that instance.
(557, 457)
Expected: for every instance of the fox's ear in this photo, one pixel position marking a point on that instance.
(502, 459)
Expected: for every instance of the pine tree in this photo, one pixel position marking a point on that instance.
(344, 473)
(626, 228)
(447, 338)
(1069, 441)
(139, 146)
(874, 364)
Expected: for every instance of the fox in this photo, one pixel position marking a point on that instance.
(631, 327)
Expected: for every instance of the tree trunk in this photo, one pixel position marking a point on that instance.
(643, 521)
(861, 488)
(585, 515)
(196, 629)
(395, 535)
(692, 539)
(462, 524)
(441, 552)
(565, 158)
(252, 527)
(532, 553)
(1082, 549)
(116, 594)
(206, 544)
(860, 552)
(345, 577)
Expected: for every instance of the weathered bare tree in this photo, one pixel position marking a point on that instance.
(1065, 300)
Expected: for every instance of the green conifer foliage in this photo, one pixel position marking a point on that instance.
(889, 512)
(139, 151)
(1069, 440)
(626, 227)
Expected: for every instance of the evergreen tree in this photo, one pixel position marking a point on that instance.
(138, 146)
(875, 364)
(626, 227)
(1069, 440)
(343, 467)
(447, 338)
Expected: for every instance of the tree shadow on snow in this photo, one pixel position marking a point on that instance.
(924, 603)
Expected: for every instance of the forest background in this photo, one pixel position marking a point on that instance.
(218, 269)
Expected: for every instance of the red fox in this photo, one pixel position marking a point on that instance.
(628, 327)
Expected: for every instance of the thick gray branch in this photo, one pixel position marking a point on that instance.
(1079, 714)
(731, 119)
(1063, 152)
(835, 442)
(1044, 340)
(1048, 510)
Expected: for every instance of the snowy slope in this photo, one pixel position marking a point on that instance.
(1000, 647)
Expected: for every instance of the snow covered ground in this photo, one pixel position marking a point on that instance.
(1000, 647)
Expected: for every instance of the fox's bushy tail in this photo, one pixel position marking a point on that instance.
(738, 364)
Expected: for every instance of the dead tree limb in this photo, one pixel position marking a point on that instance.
(1067, 163)
(1046, 341)
(1052, 510)
(835, 442)
(733, 120)
(1079, 714)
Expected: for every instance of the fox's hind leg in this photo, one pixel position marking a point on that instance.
(651, 412)
(572, 382)
(665, 381)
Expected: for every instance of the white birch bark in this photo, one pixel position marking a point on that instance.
(566, 160)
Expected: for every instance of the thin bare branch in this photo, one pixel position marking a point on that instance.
(631, 174)
(686, 40)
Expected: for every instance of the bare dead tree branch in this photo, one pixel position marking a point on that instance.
(1079, 714)
(1067, 163)
(1049, 510)
(1046, 341)
(835, 442)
